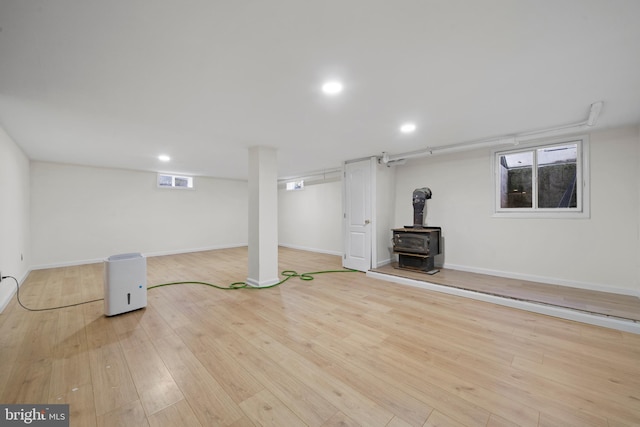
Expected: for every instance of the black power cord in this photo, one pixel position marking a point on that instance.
(43, 309)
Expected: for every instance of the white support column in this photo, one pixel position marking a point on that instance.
(263, 217)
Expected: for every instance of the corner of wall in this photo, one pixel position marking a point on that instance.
(15, 215)
(638, 207)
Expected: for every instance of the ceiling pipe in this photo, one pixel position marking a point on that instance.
(316, 175)
(515, 139)
(384, 160)
(594, 113)
(596, 108)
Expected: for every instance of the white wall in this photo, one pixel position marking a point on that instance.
(601, 252)
(14, 216)
(84, 214)
(311, 219)
(384, 213)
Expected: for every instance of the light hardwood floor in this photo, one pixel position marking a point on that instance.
(618, 306)
(341, 350)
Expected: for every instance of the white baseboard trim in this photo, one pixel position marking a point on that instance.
(67, 264)
(254, 283)
(383, 263)
(187, 251)
(304, 248)
(7, 297)
(175, 252)
(547, 280)
(563, 313)
(147, 254)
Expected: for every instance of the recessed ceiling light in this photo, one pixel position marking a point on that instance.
(407, 127)
(332, 87)
(164, 158)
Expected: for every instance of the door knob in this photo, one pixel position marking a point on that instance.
(366, 221)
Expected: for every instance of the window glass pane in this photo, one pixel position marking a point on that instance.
(295, 185)
(182, 182)
(516, 180)
(518, 160)
(172, 181)
(557, 172)
(165, 180)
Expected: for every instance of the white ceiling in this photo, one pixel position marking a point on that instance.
(116, 83)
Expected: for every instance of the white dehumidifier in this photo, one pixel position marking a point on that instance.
(125, 283)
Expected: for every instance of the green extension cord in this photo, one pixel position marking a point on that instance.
(288, 274)
(235, 285)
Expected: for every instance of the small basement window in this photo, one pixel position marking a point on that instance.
(174, 181)
(549, 180)
(295, 185)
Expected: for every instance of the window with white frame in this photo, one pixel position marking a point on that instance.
(543, 180)
(295, 185)
(175, 181)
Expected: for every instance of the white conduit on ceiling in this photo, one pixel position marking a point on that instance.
(321, 175)
(513, 139)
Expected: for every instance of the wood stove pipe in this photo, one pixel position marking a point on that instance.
(420, 197)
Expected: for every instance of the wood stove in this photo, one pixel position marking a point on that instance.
(416, 247)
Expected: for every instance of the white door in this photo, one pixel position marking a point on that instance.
(357, 239)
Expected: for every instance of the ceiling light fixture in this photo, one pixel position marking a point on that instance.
(333, 87)
(408, 128)
(164, 158)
